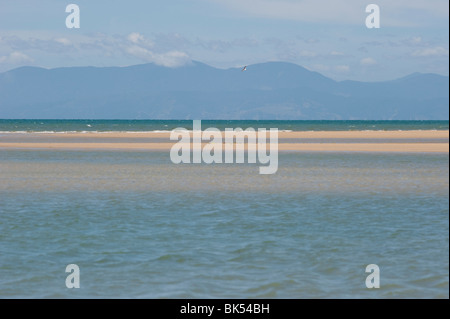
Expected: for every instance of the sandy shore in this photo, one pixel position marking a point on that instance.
(281, 135)
(336, 147)
(57, 141)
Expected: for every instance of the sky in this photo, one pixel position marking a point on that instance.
(327, 36)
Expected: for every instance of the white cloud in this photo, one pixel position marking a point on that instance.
(307, 54)
(144, 49)
(336, 53)
(135, 37)
(133, 45)
(311, 41)
(139, 39)
(368, 61)
(15, 57)
(342, 68)
(139, 52)
(50, 44)
(63, 41)
(320, 67)
(169, 59)
(431, 52)
(416, 40)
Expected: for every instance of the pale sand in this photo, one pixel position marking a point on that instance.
(281, 135)
(166, 146)
(336, 147)
(366, 134)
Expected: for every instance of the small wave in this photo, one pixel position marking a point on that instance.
(83, 132)
(372, 130)
(13, 132)
(127, 132)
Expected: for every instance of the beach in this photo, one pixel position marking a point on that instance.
(106, 195)
(337, 141)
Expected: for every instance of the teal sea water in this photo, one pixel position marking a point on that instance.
(167, 125)
(139, 226)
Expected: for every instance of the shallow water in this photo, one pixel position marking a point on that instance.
(139, 226)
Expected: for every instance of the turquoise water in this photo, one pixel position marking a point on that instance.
(164, 125)
(139, 226)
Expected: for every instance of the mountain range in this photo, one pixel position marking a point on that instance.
(272, 90)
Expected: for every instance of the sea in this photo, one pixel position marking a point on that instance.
(139, 226)
(68, 126)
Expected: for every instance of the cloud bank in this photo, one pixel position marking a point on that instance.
(393, 13)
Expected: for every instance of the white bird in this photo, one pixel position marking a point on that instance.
(244, 69)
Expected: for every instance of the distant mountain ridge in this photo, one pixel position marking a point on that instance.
(272, 90)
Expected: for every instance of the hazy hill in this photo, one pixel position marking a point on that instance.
(273, 90)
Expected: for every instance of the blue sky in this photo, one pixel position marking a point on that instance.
(327, 36)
